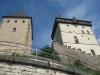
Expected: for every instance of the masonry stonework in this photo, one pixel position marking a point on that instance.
(16, 31)
(77, 54)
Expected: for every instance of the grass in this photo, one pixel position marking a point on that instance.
(21, 56)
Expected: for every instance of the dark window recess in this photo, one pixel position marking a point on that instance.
(83, 27)
(82, 31)
(23, 21)
(75, 26)
(88, 32)
(88, 38)
(15, 21)
(68, 25)
(76, 40)
(14, 29)
(8, 21)
(92, 51)
(82, 35)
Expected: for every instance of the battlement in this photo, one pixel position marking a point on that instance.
(77, 54)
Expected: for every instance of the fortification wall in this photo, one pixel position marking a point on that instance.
(20, 66)
(77, 54)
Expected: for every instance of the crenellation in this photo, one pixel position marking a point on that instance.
(77, 54)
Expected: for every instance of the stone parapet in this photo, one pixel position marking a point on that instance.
(20, 66)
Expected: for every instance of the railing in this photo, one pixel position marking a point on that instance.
(31, 52)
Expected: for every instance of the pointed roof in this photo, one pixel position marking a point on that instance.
(20, 13)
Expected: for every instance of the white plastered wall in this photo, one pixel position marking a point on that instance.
(87, 41)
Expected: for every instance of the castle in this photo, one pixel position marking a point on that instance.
(76, 34)
(71, 37)
(16, 30)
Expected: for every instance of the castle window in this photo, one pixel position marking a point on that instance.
(82, 26)
(82, 31)
(15, 21)
(68, 25)
(23, 21)
(88, 32)
(8, 21)
(88, 38)
(82, 35)
(76, 40)
(92, 51)
(75, 26)
(14, 30)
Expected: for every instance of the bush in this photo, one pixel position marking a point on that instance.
(48, 52)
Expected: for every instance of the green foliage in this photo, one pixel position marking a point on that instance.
(21, 56)
(78, 63)
(79, 66)
(49, 52)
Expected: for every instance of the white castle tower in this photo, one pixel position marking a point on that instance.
(75, 33)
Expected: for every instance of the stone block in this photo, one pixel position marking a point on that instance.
(15, 71)
(58, 73)
(32, 70)
(6, 66)
(8, 73)
(41, 70)
(26, 69)
(2, 72)
(1, 65)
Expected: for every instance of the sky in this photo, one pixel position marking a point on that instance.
(44, 12)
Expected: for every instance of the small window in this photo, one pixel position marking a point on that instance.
(68, 25)
(14, 30)
(82, 26)
(76, 40)
(82, 31)
(88, 38)
(92, 51)
(23, 21)
(82, 35)
(75, 25)
(8, 21)
(88, 32)
(15, 21)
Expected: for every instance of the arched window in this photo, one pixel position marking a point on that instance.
(76, 40)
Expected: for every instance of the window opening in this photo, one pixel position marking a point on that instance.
(14, 29)
(23, 21)
(92, 51)
(75, 25)
(88, 38)
(76, 40)
(8, 21)
(88, 32)
(82, 31)
(15, 21)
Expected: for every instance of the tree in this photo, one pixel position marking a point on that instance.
(49, 52)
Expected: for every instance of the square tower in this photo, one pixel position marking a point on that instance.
(75, 33)
(16, 32)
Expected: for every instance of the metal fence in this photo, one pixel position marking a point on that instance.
(20, 50)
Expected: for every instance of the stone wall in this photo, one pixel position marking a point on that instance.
(77, 54)
(22, 66)
(19, 69)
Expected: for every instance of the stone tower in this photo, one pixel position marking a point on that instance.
(76, 34)
(16, 31)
